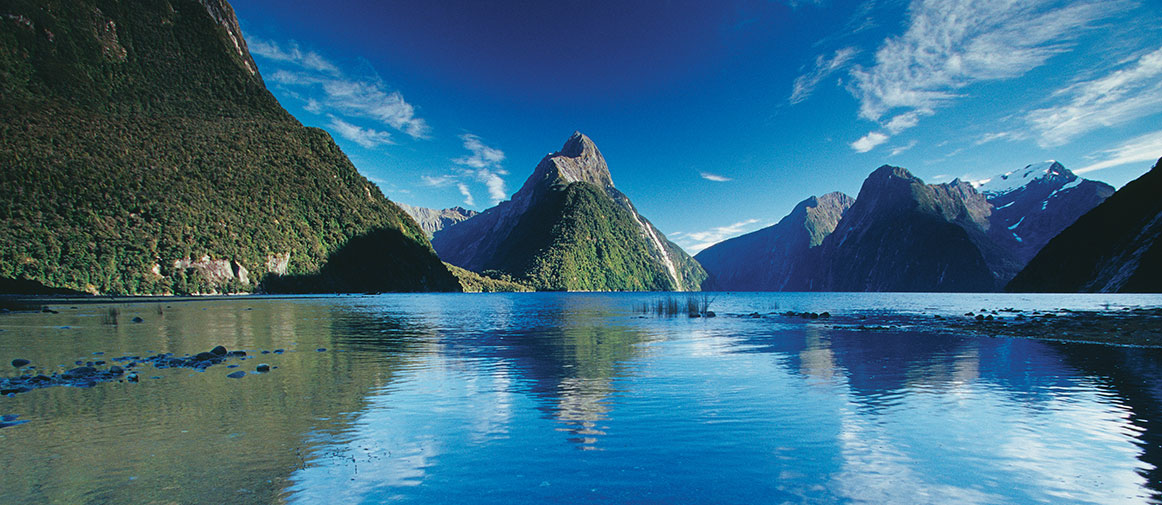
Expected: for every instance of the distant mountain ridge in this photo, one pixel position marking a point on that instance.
(143, 154)
(1115, 247)
(783, 257)
(432, 220)
(901, 234)
(569, 228)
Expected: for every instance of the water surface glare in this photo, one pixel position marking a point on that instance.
(578, 398)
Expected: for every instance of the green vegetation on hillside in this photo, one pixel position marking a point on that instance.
(579, 239)
(135, 142)
(472, 282)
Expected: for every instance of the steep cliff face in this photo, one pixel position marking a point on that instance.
(1115, 247)
(781, 257)
(143, 154)
(568, 227)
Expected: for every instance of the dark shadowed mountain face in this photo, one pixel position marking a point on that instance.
(1034, 204)
(904, 235)
(432, 220)
(781, 257)
(143, 154)
(568, 228)
(1113, 248)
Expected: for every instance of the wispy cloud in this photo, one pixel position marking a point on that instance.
(482, 156)
(366, 137)
(695, 242)
(951, 44)
(869, 142)
(990, 137)
(468, 200)
(438, 181)
(714, 177)
(900, 149)
(484, 164)
(290, 54)
(1143, 149)
(1128, 93)
(805, 84)
(325, 88)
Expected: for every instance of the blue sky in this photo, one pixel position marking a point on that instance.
(716, 118)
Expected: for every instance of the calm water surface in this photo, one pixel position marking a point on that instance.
(577, 398)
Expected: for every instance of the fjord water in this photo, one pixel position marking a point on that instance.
(579, 398)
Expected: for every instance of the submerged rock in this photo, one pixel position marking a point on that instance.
(236, 375)
(20, 362)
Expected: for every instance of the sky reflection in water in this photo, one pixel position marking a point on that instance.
(576, 398)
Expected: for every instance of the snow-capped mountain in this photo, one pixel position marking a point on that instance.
(1116, 247)
(1032, 205)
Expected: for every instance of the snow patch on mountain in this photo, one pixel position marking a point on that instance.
(1016, 179)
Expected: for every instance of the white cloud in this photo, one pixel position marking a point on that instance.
(482, 155)
(906, 120)
(438, 181)
(714, 177)
(368, 98)
(989, 137)
(1143, 149)
(869, 142)
(951, 44)
(1125, 94)
(366, 137)
(468, 200)
(494, 183)
(484, 165)
(695, 242)
(326, 89)
(899, 149)
(292, 54)
(805, 84)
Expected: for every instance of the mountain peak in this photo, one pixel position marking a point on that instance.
(1049, 171)
(577, 145)
(579, 160)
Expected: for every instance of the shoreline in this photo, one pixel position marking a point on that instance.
(1136, 328)
(1128, 327)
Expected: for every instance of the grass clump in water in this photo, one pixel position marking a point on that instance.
(692, 306)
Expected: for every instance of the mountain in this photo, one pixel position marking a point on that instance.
(432, 220)
(1113, 248)
(142, 153)
(781, 257)
(1034, 204)
(568, 228)
(904, 235)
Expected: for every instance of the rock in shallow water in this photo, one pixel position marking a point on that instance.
(236, 375)
(262, 367)
(81, 371)
(19, 362)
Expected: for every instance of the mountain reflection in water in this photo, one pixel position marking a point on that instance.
(551, 397)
